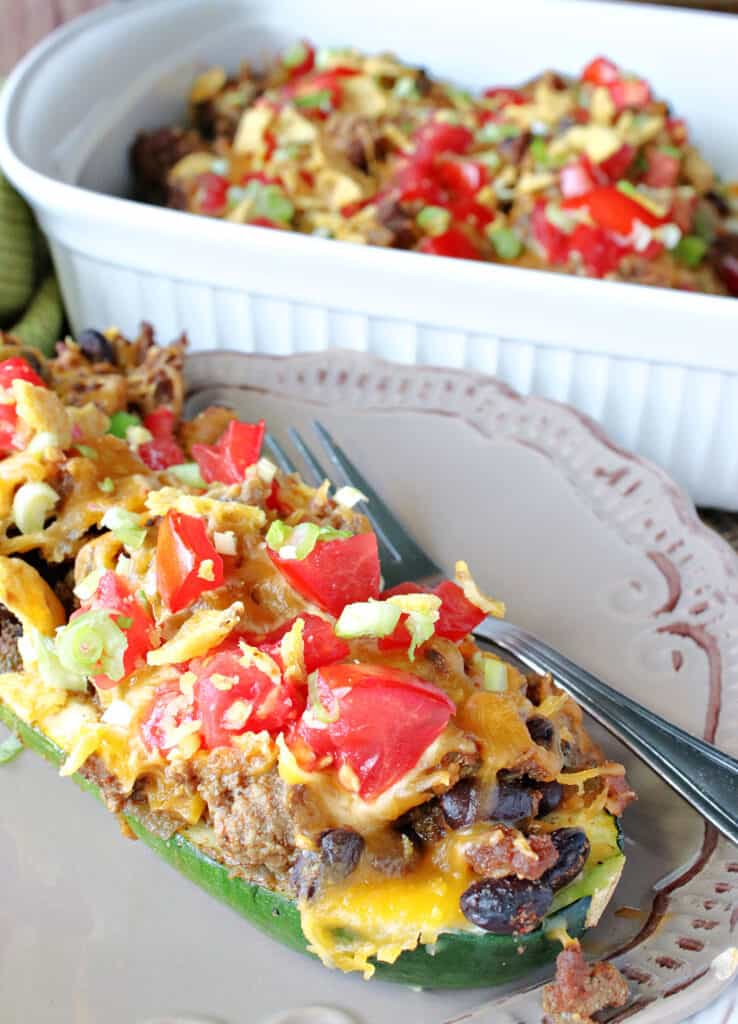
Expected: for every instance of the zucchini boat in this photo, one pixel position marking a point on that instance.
(204, 642)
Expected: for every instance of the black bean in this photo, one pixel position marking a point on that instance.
(340, 851)
(96, 347)
(541, 730)
(512, 802)
(427, 822)
(506, 905)
(719, 202)
(724, 257)
(460, 805)
(552, 793)
(573, 847)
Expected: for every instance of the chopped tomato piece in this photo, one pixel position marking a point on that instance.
(505, 96)
(336, 572)
(436, 137)
(163, 450)
(601, 71)
(301, 67)
(211, 193)
(613, 210)
(553, 241)
(320, 643)
(616, 166)
(663, 169)
(457, 616)
(8, 424)
(227, 461)
(231, 698)
(599, 251)
(464, 177)
(169, 709)
(187, 563)
(384, 720)
(17, 368)
(631, 93)
(320, 92)
(453, 243)
(114, 595)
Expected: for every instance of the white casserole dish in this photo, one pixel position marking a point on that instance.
(658, 369)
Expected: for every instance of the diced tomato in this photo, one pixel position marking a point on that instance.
(227, 461)
(169, 709)
(114, 595)
(275, 502)
(352, 208)
(682, 212)
(436, 137)
(8, 424)
(616, 166)
(211, 193)
(505, 96)
(677, 129)
(453, 243)
(187, 563)
(600, 253)
(163, 450)
(254, 702)
(663, 169)
(577, 178)
(461, 177)
(613, 210)
(264, 222)
(336, 572)
(321, 645)
(630, 93)
(385, 720)
(319, 82)
(416, 180)
(17, 368)
(601, 71)
(553, 241)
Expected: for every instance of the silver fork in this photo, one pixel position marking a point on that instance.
(703, 775)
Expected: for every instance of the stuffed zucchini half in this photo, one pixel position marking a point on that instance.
(204, 642)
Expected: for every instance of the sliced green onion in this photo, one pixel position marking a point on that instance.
(319, 709)
(124, 621)
(136, 436)
(188, 473)
(9, 749)
(34, 646)
(434, 220)
(121, 421)
(506, 243)
(672, 151)
(320, 100)
(31, 506)
(495, 675)
(561, 219)
(298, 542)
(277, 534)
(235, 194)
(628, 189)
(107, 486)
(539, 150)
(490, 158)
(494, 132)
(690, 250)
(41, 442)
(367, 618)
(295, 56)
(459, 97)
(92, 644)
(87, 452)
(125, 527)
(274, 204)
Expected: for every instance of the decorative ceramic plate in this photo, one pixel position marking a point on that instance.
(593, 549)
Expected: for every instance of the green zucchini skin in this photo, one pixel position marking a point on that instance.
(458, 959)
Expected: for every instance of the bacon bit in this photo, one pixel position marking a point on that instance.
(580, 990)
(508, 852)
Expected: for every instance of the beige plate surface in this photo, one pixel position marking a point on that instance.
(590, 547)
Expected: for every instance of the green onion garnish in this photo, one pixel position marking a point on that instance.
(295, 56)
(672, 151)
(434, 220)
(319, 709)
(274, 204)
(32, 504)
(92, 644)
(121, 421)
(367, 618)
(188, 473)
(690, 250)
(106, 486)
(506, 242)
(125, 527)
(494, 132)
(405, 89)
(495, 675)
(299, 541)
(87, 452)
(320, 100)
(539, 151)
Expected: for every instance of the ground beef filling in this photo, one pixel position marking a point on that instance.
(580, 990)
(10, 633)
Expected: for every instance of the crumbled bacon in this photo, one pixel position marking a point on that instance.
(506, 851)
(580, 990)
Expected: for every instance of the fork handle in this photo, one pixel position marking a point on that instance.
(703, 775)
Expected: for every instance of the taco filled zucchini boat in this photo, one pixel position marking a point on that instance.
(205, 642)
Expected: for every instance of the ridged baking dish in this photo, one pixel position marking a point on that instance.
(658, 369)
